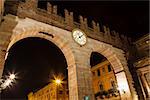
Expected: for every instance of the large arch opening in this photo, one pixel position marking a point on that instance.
(103, 78)
(35, 60)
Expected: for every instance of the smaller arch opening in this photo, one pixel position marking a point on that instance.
(103, 78)
(96, 58)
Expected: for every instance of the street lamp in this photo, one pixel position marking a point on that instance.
(7, 82)
(58, 81)
(12, 76)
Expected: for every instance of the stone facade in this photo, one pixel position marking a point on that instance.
(51, 91)
(104, 81)
(50, 16)
(78, 58)
(1, 9)
(33, 22)
(142, 64)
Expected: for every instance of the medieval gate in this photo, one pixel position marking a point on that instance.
(31, 21)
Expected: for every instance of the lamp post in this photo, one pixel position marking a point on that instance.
(7, 82)
(57, 82)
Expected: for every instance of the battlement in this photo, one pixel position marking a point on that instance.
(50, 16)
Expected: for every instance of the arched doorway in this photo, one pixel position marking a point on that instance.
(36, 61)
(78, 58)
(103, 78)
(117, 59)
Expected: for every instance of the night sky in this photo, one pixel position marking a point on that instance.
(129, 18)
(35, 68)
(35, 61)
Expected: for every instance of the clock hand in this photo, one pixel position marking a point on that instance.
(80, 36)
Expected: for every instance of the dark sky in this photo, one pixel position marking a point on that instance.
(126, 17)
(35, 67)
(35, 60)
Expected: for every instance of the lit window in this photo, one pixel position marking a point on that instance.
(109, 68)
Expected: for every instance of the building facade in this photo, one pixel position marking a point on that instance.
(50, 92)
(142, 64)
(104, 81)
(1, 9)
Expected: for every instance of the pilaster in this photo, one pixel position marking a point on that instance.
(80, 76)
(6, 29)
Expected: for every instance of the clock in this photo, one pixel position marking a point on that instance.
(79, 37)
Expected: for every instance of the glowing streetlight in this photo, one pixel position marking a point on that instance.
(58, 81)
(12, 76)
(7, 82)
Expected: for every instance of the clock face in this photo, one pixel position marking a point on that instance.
(79, 37)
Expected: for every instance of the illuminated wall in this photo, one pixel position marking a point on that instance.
(103, 77)
(49, 92)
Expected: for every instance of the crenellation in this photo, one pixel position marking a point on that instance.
(81, 22)
(97, 27)
(85, 23)
(108, 30)
(50, 16)
(110, 36)
(116, 37)
(94, 25)
(105, 29)
(71, 19)
(68, 18)
(106, 34)
(54, 9)
(129, 40)
(124, 41)
(49, 8)
(31, 4)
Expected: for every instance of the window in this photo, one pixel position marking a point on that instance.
(103, 70)
(101, 87)
(60, 92)
(98, 72)
(93, 73)
(109, 68)
(67, 92)
(113, 84)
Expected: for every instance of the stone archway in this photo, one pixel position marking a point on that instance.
(61, 38)
(78, 58)
(57, 41)
(117, 59)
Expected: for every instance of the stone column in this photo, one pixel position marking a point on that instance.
(123, 76)
(6, 29)
(80, 77)
(145, 85)
(1, 9)
(2, 61)
(139, 78)
(84, 81)
(123, 86)
(72, 80)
